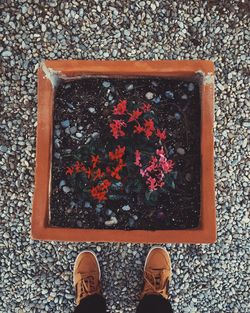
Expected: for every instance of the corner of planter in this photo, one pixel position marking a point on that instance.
(49, 73)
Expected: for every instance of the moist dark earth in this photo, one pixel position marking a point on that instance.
(82, 109)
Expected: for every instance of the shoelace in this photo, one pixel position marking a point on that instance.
(154, 282)
(87, 285)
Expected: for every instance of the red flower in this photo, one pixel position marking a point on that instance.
(116, 128)
(98, 174)
(149, 127)
(119, 167)
(161, 134)
(95, 159)
(106, 183)
(88, 172)
(149, 124)
(78, 167)
(70, 170)
(134, 115)
(121, 108)
(138, 158)
(146, 107)
(98, 194)
(118, 154)
(138, 129)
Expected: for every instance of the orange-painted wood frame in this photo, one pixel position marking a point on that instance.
(48, 74)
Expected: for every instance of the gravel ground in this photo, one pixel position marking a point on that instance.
(36, 276)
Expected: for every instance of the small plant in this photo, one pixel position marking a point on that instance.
(133, 160)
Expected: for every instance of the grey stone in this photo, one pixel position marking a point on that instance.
(78, 135)
(73, 130)
(3, 149)
(66, 189)
(92, 110)
(6, 53)
(181, 151)
(190, 87)
(113, 221)
(62, 183)
(106, 84)
(65, 123)
(177, 116)
(149, 95)
(126, 208)
(95, 135)
(130, 87)
(169, 94)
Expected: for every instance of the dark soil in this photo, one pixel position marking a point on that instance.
(178, 112)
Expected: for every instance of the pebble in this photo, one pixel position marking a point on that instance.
(79, 223)
(188, 177)
(190, 87)
(6, 53)
(112, 221)
(66, 189)
(78, 135)
(92, 110)
(3, 149)
(180, 151)
(169, 94)
(220, 86)
(108, 212)
(65, 123)
(62, 183)
(157, 100)
(106, 84)
(244, 143)
(73, 130)
(177, 116)
(87, 205)
(57, 155)
(130, 87)
(95, 135)
(246, 124)
(126, 208)
(149, 95)
(131, 222)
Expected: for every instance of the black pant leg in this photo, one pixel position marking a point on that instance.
(92, 304)
(154, 304)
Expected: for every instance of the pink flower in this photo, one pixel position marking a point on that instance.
(160, 152)
(151, 182)
(167, 166)
(138, 158)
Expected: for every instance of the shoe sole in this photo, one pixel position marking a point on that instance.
(168, 256)
(95, 259)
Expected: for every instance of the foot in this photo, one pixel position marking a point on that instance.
(86, 275)
(157, 273)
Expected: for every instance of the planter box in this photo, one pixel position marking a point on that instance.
(48, 75)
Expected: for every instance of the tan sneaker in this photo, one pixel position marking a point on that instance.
(86, 275)
(157, 273)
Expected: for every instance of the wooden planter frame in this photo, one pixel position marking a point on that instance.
(48, 75)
